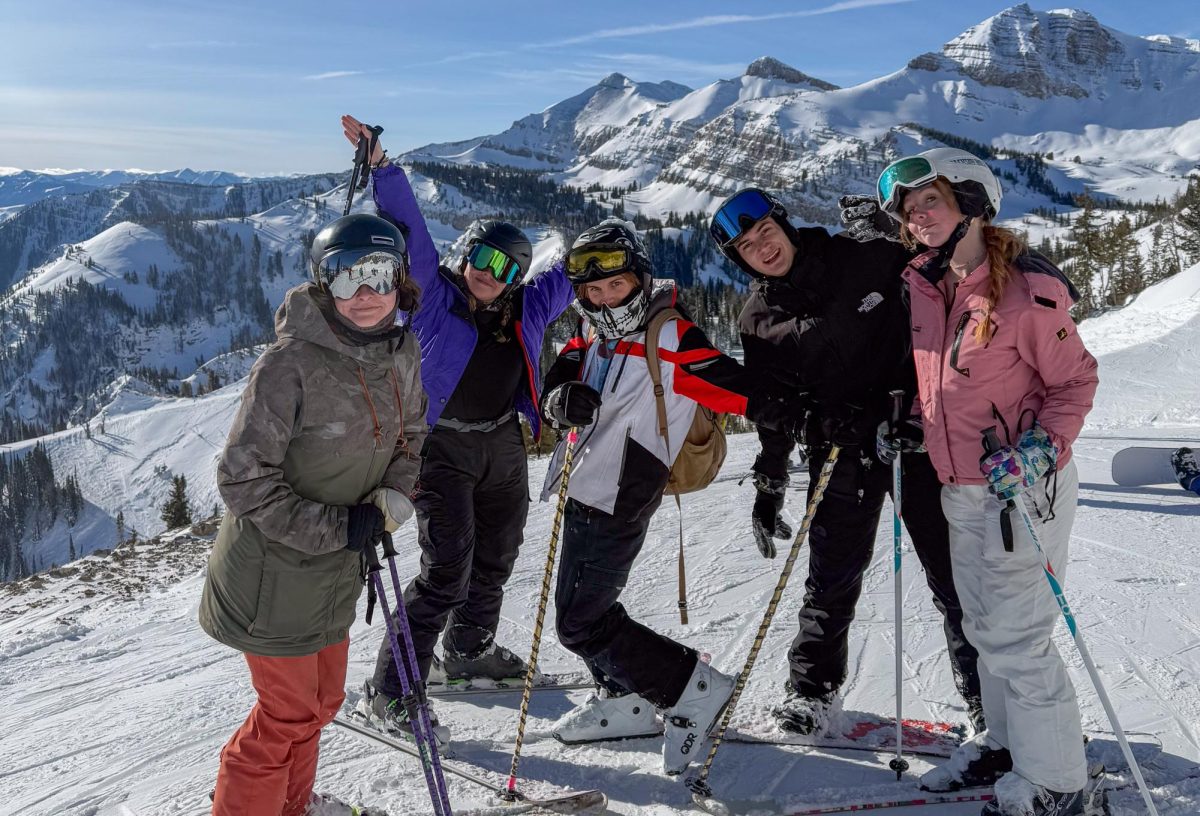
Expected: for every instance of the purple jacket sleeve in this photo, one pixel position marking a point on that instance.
(394, 198)
(549, 294)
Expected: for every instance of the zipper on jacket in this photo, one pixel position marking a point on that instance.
(958, 337)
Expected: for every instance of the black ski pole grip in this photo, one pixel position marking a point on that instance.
(897, 406)
(991, 444)
(372, 557)
(389, 547)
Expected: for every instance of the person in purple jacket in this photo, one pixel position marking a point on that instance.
(480, 326)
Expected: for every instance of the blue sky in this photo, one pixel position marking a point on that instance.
(258, 87)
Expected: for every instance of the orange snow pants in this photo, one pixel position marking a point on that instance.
(269, 765)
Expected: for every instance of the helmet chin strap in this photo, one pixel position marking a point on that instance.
(935, 269)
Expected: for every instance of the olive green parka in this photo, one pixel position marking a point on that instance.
(323, 422)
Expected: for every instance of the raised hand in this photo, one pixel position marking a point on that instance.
(355, 130)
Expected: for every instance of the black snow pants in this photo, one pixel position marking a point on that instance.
(471, 500)
(623, 655)
(841, 540)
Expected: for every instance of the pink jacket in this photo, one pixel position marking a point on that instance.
(1034, 367)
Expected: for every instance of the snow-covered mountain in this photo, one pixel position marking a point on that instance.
(1119, 113)
(556, 137)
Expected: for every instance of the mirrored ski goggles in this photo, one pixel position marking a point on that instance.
(737, 215)
(344, 272)
(606, 260)
(905, 174)
(489, 259)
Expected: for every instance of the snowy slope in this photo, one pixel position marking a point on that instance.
(114, 642)
(167, 697)
(1148, 353)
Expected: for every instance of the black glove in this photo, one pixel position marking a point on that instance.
(571, 404)
(764, 519)
(843, 424)
(779, 412)
(864, 221)
(907, 437)
(364, 527)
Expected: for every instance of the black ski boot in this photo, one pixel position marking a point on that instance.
(799, 714)
(487, 661)
(388, 714)
(1042, 802)
(978, 762)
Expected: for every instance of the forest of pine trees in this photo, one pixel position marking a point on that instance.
(31, 500)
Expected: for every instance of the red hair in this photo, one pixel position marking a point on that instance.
(1003, 247)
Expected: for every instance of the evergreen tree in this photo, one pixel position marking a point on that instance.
(71, 546)
(177, 510)
(1188, 219)
(120, 527)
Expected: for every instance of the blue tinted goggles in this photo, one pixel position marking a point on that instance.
(737, 215)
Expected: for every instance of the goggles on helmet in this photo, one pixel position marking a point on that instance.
(491, 260)
(344, 272)
(589, 262)
(737, 215)
(903, 174)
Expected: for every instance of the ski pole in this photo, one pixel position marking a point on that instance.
(510, 788)
(362, 161)
(899, 764)
(414, 704)
(991, 444)
(698, 784)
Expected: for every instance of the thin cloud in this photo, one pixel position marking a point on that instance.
(194, 44)
(334, 75)
(714, 20)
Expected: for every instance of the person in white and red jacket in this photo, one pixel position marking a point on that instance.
(995, 348)
(601, 384)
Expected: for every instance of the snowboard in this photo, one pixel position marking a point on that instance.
(1144, 466)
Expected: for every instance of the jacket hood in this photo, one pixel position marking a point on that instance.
(299, 317)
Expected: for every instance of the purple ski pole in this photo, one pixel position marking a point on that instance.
(414, 700)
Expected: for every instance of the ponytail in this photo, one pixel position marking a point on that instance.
(1003, 247)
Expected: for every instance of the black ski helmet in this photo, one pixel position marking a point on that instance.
(775, 210)
(614, 233)
(503, 236)
(360, 232)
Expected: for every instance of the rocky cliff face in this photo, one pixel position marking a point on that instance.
(1046, 54)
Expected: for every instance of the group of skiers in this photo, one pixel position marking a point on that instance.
(394, 389)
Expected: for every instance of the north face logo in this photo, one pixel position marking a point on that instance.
(870, 302)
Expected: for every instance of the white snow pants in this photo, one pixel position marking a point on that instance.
(1009, 615)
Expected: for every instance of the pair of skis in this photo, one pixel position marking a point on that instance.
(590, 801)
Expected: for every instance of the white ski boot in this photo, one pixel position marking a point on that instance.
(605, 717)
(689, 721)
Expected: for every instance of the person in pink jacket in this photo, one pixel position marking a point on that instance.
(995, 347)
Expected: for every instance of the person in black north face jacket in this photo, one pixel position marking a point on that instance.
(828, 319)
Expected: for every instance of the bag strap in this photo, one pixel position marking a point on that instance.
(653, 330)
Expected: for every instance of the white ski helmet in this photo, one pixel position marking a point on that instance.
(975, 186)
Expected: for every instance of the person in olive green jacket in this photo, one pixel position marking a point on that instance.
(319, 463)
